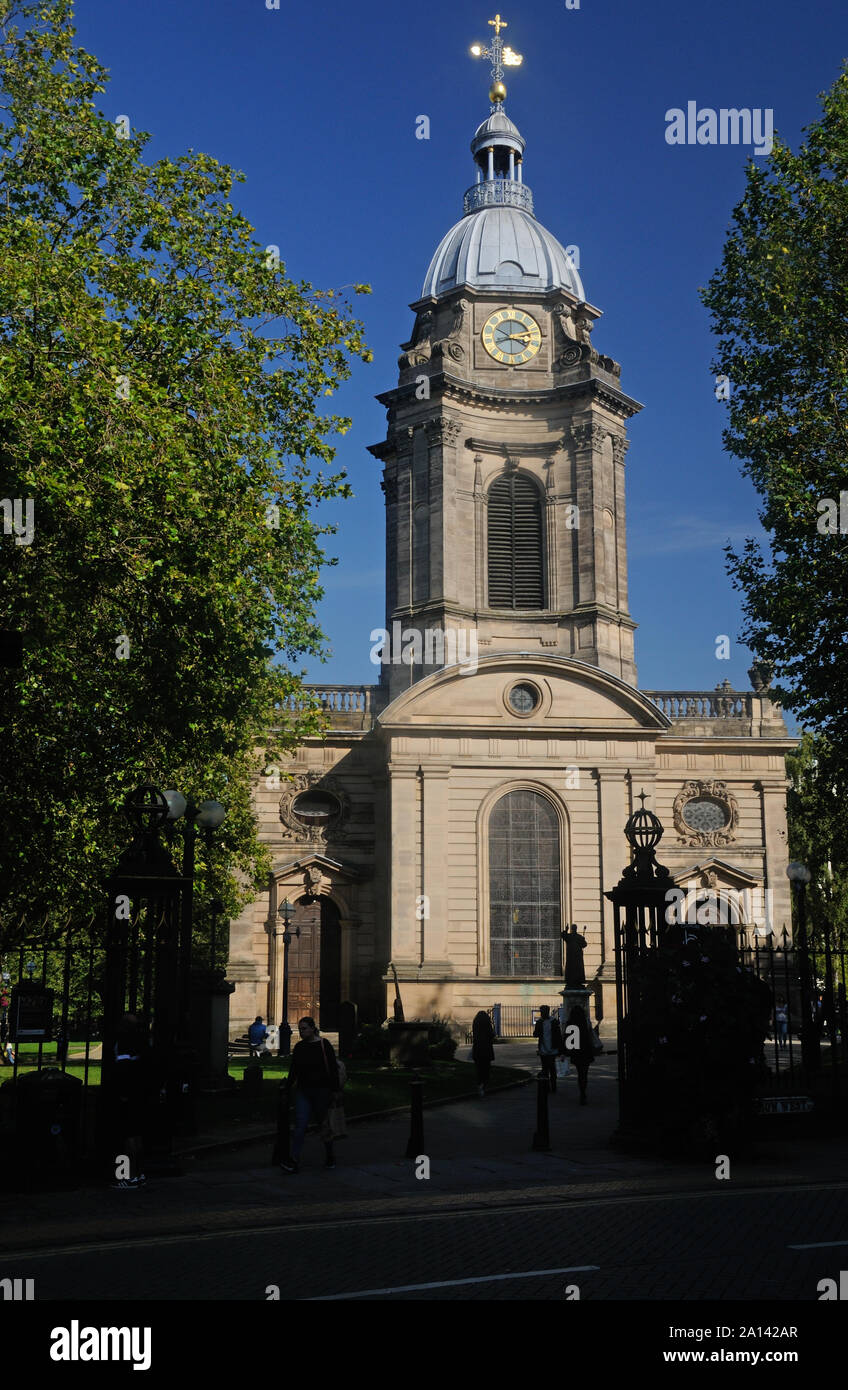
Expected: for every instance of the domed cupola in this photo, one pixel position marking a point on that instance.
(498, 244)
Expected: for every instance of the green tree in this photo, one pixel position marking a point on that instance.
(818, 836)
(161, 403)
(779, 306)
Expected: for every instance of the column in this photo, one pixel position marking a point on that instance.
(552, 558)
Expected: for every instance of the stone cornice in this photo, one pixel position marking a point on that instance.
(513, 449)
(451, 388)
(486, 295)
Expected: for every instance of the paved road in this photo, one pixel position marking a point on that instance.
(728, 1245)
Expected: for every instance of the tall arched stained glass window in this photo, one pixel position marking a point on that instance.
(516, 568)
(524, 886)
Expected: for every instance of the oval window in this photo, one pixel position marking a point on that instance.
(706, 815)
(315, 807)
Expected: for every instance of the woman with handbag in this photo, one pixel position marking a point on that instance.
(314, 1072)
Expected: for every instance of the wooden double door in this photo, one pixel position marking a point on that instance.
(315, 964)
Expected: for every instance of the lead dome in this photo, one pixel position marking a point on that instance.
(498, 243)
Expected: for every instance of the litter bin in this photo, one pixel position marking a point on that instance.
(48, 1110)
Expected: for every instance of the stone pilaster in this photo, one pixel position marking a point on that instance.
(434, 870)
(405, 884)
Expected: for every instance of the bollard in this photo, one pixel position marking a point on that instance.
(542, 1137)
(282, 1152)
(416, 1117)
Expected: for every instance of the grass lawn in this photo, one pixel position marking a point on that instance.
(371, 1086)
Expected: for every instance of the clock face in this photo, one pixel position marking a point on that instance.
(511, 336)
(705, 814)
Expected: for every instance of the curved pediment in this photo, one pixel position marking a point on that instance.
(571, 696)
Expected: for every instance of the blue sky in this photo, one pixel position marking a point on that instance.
(317, 105)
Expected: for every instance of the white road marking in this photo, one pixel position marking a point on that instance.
(819, 1245)
(451, 1283)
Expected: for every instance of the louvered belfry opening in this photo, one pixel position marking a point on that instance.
(516, 565)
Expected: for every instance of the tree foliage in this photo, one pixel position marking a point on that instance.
(818, 833)
(161, 388)
(779, 306)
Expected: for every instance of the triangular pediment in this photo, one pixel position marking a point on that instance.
(331, 868)
(727, 874)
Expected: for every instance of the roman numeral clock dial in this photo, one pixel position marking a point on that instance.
(511, 336)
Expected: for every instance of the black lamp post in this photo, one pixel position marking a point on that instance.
(286, 912)
(799, 876)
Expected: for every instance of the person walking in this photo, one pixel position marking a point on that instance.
(314, 1073)
(482, 1048)
(781, 1021)
(549, 1034)
(127, 1097)
(580, 1047)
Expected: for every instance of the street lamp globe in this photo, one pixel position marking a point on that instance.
(798, 872)
(176, 804)
(210, 815)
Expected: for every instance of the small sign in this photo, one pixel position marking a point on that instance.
(31, 1014)
(784, 1105)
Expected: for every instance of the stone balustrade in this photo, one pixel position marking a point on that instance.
(357, 706)
(703, 704)
(347, 706)
(498, 193)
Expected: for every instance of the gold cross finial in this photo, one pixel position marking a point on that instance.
(498, 24)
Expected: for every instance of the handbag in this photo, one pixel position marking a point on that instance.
(563, 1067)
(335, 1124)
(597, 1045)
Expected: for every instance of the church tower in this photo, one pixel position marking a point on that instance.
(437, 837)
(504, 457)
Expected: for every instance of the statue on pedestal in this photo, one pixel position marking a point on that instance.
(575, 945)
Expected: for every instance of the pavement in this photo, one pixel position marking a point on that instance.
(476, 1156)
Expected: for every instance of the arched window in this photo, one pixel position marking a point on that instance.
(516, 565)
(524, 886)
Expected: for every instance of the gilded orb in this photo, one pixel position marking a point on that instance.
(497, 92)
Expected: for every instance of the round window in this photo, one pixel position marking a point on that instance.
(705, 814)
(315, 807)
(524, 698)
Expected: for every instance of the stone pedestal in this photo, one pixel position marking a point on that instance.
(572, 998)
(210, 1028)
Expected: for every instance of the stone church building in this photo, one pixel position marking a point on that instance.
(462, 810)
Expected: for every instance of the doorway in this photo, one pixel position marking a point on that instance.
(315, 964)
